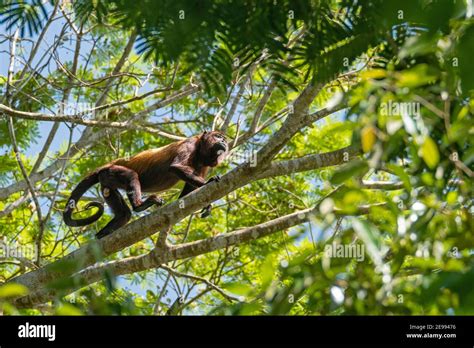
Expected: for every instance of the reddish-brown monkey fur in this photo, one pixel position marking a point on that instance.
(153, 170)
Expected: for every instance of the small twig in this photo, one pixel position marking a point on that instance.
(16, 150)
(203, 280)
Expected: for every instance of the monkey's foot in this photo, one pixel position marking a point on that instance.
(101, 234)
(157, 200)
(151, 200)
(206, 211)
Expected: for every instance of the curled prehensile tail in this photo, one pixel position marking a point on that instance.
(80, 189)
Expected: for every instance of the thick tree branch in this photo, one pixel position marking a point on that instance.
(158, 257)
(309, 162)
(77, 119)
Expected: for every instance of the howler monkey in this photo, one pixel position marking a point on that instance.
(149, 171)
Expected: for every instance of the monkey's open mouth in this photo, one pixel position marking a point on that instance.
(220, 147)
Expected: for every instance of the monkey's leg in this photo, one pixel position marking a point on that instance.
(122, 213)
(134, 194)
(186, 189)
(127, 179)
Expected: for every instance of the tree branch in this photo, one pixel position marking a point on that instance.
(77, 119)
(89, 140)
(382, 185)
(177, 210)
(202, 280)
(158, 257)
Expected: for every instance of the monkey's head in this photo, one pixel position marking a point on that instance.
(212, 148)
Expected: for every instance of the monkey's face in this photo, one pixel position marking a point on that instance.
(213, 148)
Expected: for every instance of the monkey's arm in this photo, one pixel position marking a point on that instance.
(190, 188)
(186, 174)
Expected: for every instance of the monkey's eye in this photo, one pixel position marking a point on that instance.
(219, 136)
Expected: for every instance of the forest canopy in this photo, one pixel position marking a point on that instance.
(347, 190)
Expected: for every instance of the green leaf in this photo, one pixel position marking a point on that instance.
(267, 271)
(417, 76)
(64, 266)
(465, 49)
(418, 45)
(429, 153)
(351, 169)
(68, 309)
(402, 174)
(12, 290)
(452, 197)
(370, 235)
(238, 288)
(368, 138)
(374, 74)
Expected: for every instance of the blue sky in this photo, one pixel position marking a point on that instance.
(64, 54)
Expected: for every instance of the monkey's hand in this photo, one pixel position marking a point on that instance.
(216, 178)
(158, 201)
(206, 211)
